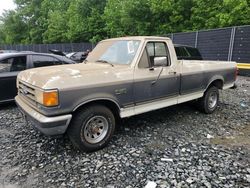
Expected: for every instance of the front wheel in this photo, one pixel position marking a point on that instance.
(92, 128)
(209, 102)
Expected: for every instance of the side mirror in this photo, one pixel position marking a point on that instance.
(160, 61)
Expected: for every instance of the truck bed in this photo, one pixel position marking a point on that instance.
(197, 74)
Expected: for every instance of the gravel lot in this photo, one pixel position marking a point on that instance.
(174, 147)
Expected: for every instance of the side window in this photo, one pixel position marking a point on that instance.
(144, 63)
(5, 65)
(194, 52)
(158, 54)
(178, 52)
(13, 64)
(151, 49)
(41, 61)
(187, 52)
(18, 64)
(160, 50)
(181, 53)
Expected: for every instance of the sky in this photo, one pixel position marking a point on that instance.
(6, 5)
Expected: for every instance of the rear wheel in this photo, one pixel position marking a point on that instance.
(209, 102)
(92, 128)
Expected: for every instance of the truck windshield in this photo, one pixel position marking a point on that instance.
(116, 52)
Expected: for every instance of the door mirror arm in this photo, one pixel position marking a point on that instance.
(154, 82)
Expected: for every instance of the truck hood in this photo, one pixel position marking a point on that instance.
(74, 75)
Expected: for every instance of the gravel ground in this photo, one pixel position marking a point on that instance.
(174, 147)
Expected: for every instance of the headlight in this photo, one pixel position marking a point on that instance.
(47, 98)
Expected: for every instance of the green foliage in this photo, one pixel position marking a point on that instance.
(52, 21)
(130, 17)
(56, 28)
(208, 14)
(85, 21)
(47, 21)
(13, 28)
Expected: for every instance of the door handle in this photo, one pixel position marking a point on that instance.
(172, 72)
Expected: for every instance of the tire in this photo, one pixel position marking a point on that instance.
(92, 128)
(209, 102)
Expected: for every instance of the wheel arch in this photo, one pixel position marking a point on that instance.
(109, 103)
(217, 81)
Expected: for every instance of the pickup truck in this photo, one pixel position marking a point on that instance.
(120, 78)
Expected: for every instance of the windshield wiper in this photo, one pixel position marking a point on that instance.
(104, 61)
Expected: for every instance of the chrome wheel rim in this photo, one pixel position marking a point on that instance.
(96, 129)
(212, 100)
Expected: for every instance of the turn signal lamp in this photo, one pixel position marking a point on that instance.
(48, 98)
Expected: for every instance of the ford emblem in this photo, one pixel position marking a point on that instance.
(25, 90)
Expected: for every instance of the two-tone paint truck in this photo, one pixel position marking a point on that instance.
(120, 78)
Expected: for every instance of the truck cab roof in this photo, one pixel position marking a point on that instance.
(139, 38)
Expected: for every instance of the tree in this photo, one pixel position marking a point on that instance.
(2, 34)
(85, 20)
(147, 17)
(54, 21)
(55, 32)
(29, 11)
(131, 17)
(171, 16)
(234, 13)
(46, 21)
(13, 27)
(219, 13)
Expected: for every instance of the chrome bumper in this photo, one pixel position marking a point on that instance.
(47, 125)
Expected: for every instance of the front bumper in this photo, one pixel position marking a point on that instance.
(47, 125)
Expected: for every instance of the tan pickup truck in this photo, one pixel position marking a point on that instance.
(121, 77)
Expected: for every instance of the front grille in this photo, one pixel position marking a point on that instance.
(26, 91)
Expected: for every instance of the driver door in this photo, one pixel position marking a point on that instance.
(155, 79)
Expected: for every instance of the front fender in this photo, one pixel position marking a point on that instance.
(97, 97)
